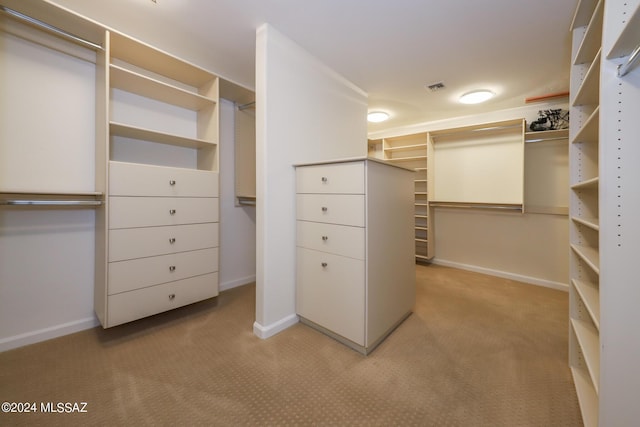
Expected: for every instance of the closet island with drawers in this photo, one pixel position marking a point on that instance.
(355, 278)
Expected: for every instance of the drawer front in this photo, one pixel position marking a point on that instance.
(134, 179)
(346, 178)
(131, 212)
(140, 303)
(138, 273)
(129, 243)
(330, 291)
(336, 239)
(344, 209)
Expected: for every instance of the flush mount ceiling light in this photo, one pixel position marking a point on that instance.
(476, 97)
(377, 116)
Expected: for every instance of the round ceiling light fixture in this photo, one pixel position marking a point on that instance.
(476, 96)
(377, 116)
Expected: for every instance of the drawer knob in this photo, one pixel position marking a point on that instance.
(172, 240)
(324, 264)
(325, 238)
(172, 182)
(324, 179)
(324, 209)
(172, 268)
(172, 211)
(172, 297)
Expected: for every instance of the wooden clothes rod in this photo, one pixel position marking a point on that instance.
(50, 28)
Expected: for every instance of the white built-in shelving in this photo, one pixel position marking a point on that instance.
(411, 151)
(604, 206)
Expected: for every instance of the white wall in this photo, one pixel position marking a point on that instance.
(305, 112)
(47, 255)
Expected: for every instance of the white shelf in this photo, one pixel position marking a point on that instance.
(421, 228)
(586, 184)
(590, 344)
(133, 82)
(589, 255)
(589, 131)
(422, 240)
(127, 131)
(583, 13)
(592, 223)
(590, 295)
(592, 38)
(141, 54)
(586, 396)
(406, 159)
(629, 37)
(407, 147)
(589, 91)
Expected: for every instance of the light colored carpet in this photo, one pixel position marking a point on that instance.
(478, 351)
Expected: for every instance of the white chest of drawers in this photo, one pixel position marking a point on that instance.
(162, 234)
(355, 272)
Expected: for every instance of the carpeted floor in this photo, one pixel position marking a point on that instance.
(478, 351)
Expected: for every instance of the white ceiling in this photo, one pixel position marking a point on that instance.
(389, 48)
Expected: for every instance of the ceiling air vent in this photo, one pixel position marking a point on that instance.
(435, 87)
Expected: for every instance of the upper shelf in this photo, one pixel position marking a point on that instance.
(589, 91)
(583, 14)
(133, 82)
(143, 55)
(592, 38)
(629, 38)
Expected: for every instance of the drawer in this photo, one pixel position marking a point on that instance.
(336, 239)
(140, 303)
(131, 212)
(128, 243)
(346, 178)
(344, 209)
(135, 179)
(330, 291)
(138, 273)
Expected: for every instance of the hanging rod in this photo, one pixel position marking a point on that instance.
(246, 200)
(246, 106)
(527, 141)
(27, 202)
(50, 28)
(623, 69)
(20, 198)
(490, 206)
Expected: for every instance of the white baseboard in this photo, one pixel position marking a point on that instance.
(47, 333)
(504, 274)
(237, 282)
(268, 331)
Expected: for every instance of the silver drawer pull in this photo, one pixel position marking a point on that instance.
(172, 240)
(324, 209)
(172, 297)
(324, 264)
(172, 268)
(324, 179)
(325, 238)
(172, 182)
(172, 211)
